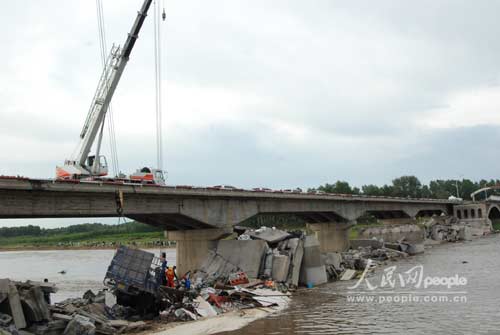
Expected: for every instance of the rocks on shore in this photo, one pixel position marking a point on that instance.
(25, 309)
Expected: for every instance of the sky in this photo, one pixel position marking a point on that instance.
(276, 94)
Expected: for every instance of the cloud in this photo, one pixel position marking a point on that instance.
(478, 107)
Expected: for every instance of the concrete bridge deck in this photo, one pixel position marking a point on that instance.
(196, 217)
(185, 207)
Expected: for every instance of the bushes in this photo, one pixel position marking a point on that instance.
(86, 229)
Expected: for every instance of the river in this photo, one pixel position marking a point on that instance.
(85, 269)
(326, 309)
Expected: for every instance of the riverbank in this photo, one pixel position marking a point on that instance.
(85, 247)
(230, 321)
(89, 236)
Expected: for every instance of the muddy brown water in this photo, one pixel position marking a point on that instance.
(326, 309)
(85, 269)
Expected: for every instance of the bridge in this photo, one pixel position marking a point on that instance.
(197, 216)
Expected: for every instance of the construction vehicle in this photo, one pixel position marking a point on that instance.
(93, 166)
(147, 175)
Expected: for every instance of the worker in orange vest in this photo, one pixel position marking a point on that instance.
(170, 273)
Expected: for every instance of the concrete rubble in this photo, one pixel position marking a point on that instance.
(289, 259)
(25, 309)
(447, 229)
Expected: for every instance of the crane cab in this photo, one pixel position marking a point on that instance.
(99, 166)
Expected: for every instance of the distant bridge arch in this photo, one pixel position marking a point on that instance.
(494, 213)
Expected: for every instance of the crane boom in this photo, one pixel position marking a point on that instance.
(83, 164)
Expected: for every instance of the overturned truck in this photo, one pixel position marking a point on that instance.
(134, 276)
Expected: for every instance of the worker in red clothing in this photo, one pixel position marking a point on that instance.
(170, 273)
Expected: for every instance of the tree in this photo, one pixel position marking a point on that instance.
(341, 187)
(410, 186)
(372, 190)
(407, 186)
(466, 187)
(426, 192)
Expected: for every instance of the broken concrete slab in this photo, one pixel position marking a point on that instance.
(414, 249)
(312, 270)
(138, 325)
(55, 327)
(204, 308)
(281, 264)
(313, 275)
(184, 314)
(24, 332)
(332, 258)
(348, 274)
(295, 264)
(64, 317)
(268, 234)
(109, 299)
(247, 255)
(267, 264)
(312, 254)
(118, 323)
(465, 233)
(35, 306)
(14, 306)
(264, 298)
(214, 266)
(374, 243)
(80, 325)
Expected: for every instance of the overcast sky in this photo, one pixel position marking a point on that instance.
(257, 93)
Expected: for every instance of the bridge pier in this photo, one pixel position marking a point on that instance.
(332, 236)
(193, 245)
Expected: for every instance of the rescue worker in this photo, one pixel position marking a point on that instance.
(175, 273)
(46, 294)
(170, 273)
(163, 259)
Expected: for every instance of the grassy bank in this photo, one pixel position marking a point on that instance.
(81, 236)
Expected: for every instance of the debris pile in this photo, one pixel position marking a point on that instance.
(25, 309)
(290, 259)
(228, 281)
(362, 254)
(285, 259)
(447, 228)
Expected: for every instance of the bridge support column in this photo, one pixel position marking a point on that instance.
(332, 236)
(193, 245)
